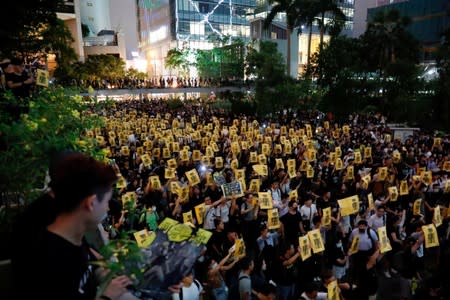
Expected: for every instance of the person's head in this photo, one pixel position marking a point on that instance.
(275, 184)
(362, 226)
(292, 205)
(188, 279)
(208, 200)
(263, 230)
(83, 185)
(311, 290)
(17, 64)
(219, 224)
(380, 211)
(308, 202)
(247, 264)
(326, 195)
(287, 250)
(328, 276)
(317, 220)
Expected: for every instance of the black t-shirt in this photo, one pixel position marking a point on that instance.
(291, 225)
(24, 89)
(56, 269)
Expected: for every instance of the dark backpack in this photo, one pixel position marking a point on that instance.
(197, 284)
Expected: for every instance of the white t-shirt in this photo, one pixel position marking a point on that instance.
(308, 213)
(223, 212)
(376, 222)
(210, 215)
(189, 293)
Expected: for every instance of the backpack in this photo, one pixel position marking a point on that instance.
(233, 291)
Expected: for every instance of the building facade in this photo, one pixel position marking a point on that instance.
(193, 24)
(429, 19)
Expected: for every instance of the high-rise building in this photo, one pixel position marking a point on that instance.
(360, 17)
(429, 19)
(167, 24)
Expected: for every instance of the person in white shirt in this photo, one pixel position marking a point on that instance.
(312, 293)
(210, 213)
(378, 219)
(223, 210)
(191, 289)
(307, 211)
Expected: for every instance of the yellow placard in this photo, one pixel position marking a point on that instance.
(261, 170)
(350, 172)
(234, 164)
(382, 173)
(146, 160)
(155, 182)
(293, 195)
(253, 157)
(358, 157)
(315, 239)
(172, 163)
(42, 77)
(239, 173)
(339, 165)
(273, 220)
(265, 200)
(367, 152)
(305, 247)
(355, 245)
(218, 162)
(393, 193)
(437, 218)
(446, 166)
(304, 165)
(437, 142)
(349, 205)
(396, 156)
(125, 151)
(239, 248)
(338, 151)
(262, 159)
(385, 244)
(371, 202)
(404, 190)
(254, 185)
(184, 155)
(431, 236)
(417, 207)
(310, 172)
(193, 177)
(188, 218)
(279, 163)
(346, 129)
(129, 197)
(366, 181)
(326, 216)
(144, 238)
(291, 172)
(121, 183)
(265, 149)
(333, 157)
(169, 173)
(333, 292)
(196, 155)
(427, 177)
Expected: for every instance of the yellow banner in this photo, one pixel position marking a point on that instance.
(416, 207)
(265, 200)
(200, 212)
(355, 245)
(349, 205)
(404, 190)
(437, 218)
(393, 193)
(144, 238)
(273, 221)
(315, 239)
(431, 236)
(385, 244)
(305, 247)
(326, 216)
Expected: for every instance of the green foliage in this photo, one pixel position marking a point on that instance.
(174, 103)
(54, 123)
(441, 100)
(178, 60)
(265, 63)
(222, 61)
(121, 257)
(22, 24)
(132, 73)
(96, 67)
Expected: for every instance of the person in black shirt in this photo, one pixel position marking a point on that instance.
(82, 187)
(19, 81)
(291, 223)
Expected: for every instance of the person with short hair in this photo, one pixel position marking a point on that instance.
(82, 189)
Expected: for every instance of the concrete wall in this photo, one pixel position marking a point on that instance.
(360, 16)
(123, 15)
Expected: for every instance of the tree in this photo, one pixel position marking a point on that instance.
(292, 9)
(441, 105)
(330, 9)
(22, 25)
(177, 60)
(104, 66)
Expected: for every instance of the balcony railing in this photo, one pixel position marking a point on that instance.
(66, 7)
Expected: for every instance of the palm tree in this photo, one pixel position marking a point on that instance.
(328, 8)
(292, 8)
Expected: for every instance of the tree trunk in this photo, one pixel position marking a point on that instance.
(308, 58)
(288, 65)
(322, 31)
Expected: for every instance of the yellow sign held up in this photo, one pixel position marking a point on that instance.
(404, 190)
(393, 193)
(200, 212)
(355, 245)
(265, 200)
(305, 247)
(42, 78)
(326, 216)
(315, 239)
(385, 244)
(431, 236)
(437, 218)
(273, 220)
(144, 238)
(416, 207)
(349, 205)
(193, 177)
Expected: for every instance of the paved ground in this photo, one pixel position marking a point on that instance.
(202, 90)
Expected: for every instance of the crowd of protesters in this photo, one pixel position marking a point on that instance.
(143, 138)
(273, 267)
(154, 83)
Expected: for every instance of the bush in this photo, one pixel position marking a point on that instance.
(174, 103)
